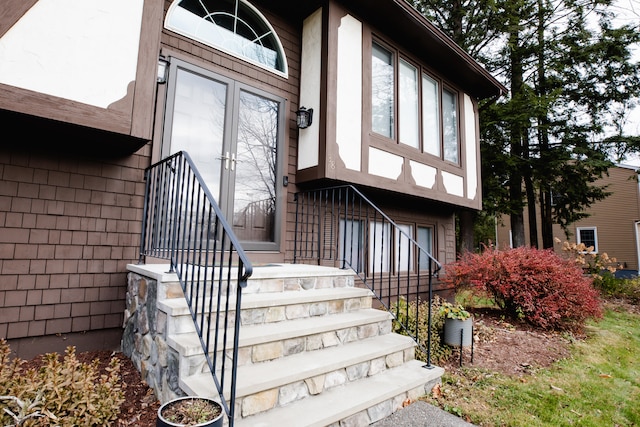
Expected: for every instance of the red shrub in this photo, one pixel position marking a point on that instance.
(538, 285)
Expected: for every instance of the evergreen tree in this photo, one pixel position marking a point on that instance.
(571, 78)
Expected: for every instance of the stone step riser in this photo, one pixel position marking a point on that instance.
(267, 400)
(173, 289)
(183, 323)
(192, 364)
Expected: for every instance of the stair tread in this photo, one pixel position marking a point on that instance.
(188, 343)
(178, 306)
(341, 402)
(257, 377)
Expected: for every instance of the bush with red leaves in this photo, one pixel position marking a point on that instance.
(537, 285)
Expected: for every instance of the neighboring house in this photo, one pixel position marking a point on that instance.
(613, 225)
(92, 93)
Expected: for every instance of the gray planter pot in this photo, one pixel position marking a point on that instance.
(456, 330)
(163, 422)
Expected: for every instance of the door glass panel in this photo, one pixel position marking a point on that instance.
(256, 166)
(198, 124)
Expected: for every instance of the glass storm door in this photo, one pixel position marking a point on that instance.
(232, 133)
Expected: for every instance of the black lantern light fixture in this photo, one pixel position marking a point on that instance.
(304, 117)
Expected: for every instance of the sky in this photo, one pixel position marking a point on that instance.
(628, 12)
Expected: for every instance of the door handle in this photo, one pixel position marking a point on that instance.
(233, 161)
(226, 160)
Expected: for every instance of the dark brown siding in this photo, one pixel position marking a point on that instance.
(68, 227)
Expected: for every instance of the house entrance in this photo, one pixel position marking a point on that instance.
(233, 132)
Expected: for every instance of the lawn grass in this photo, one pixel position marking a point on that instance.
(598, 385)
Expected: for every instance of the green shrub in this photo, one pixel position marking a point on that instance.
(416, 316)
(537, 285)
(611, 287)
(62, 392)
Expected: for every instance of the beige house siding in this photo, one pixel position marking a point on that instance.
(614, 219)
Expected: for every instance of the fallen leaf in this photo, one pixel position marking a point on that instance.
(604, 376)
(555, 388)
(437, 391)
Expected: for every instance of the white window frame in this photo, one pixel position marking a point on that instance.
(595, 237)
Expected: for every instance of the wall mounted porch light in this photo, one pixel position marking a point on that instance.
(304, 117)
(163, 67)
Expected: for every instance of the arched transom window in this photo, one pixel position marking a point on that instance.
(233, 26)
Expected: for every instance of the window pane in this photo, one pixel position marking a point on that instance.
(430, 116)
(404, 248)
(198, 124)
(588, 237)
(450, 125)
(425, 240)
(231, 25)
(382, 98)
(351, 247)
(409, 131)
(379, 256)
(254, 207)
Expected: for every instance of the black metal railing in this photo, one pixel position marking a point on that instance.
(340, 225)
(183, 223)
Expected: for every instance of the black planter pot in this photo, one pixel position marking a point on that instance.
(163, 422)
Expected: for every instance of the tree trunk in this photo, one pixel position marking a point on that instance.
(516, 135)
(466, 219)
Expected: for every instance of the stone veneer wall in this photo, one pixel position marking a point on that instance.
(144, 339)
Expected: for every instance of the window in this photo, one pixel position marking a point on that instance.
(450, 125)
(233, 26)
(379, 250)
(398, 257)
(409, 112)
(427, 115)
(351, 244)
(430, 115)
(588, 236)
(404, 248)
(424, 239)
(382, 91)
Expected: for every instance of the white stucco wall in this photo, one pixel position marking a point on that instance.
(472, 158)
(309, 138)
(81, 50)
(423, 175)
(453, 184)
(349, 96)
(382, 163)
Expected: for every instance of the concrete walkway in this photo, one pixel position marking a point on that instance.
(422, 414)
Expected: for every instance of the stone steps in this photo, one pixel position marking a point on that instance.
(342, 362)
(359, 403)
(312, 351)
